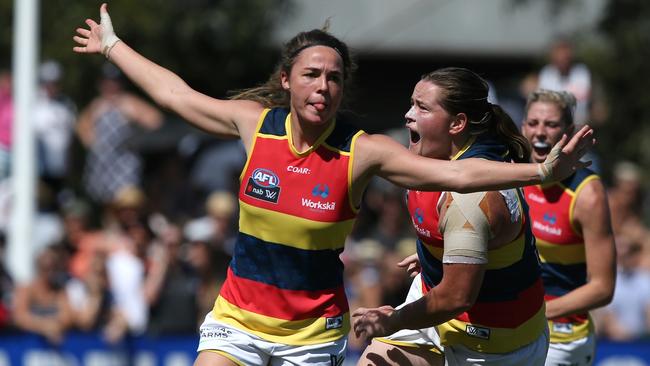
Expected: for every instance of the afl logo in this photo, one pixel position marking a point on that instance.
(263, 185)
(265, 178)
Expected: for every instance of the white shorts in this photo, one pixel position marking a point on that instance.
(420, 337)
(579, 353)
(456, 355)
(533, 354)
(249, 350)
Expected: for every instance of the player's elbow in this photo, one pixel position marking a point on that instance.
(605, 293)
(457, 179)
(464, 304)
(462, 185)
(460, 303)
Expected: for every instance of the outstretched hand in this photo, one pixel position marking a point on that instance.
(564, 158)
(99, 37)
(369, 323)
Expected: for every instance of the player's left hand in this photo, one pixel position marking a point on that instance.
(368, 323)
(564, 158)
(98, 37)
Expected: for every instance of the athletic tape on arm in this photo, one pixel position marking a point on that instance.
(465, 229)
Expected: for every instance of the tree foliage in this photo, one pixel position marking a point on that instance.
(214, 45)
(621, 63)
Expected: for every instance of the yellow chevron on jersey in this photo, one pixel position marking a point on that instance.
(293, 231)
(562, 254)
(506, 255)
(295, 332)
(492, 339)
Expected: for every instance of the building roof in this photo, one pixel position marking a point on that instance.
(503, 27)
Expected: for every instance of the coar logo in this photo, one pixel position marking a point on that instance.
(265, 178)
(321, 190)
(419, 215)
(550, 217)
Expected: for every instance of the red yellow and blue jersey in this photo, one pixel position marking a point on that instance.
(561, 248)
(509, 311)
(285, 280)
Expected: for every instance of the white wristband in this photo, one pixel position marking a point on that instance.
(106, 49)
(545, 169)
(544, 172)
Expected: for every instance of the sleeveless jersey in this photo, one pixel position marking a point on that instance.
(285, 280)
(561, 248)
(509, 311)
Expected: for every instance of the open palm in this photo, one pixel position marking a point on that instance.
(89, 40)
(566, 159)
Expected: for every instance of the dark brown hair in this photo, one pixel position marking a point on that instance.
(464, 91)
(271, 94)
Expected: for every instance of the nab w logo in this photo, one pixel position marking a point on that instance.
(418, 215)
(264, 185)
(321, 190)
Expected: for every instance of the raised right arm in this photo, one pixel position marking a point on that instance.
(382, 156)
(224, 118)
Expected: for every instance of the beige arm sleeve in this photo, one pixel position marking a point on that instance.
(465, 229)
